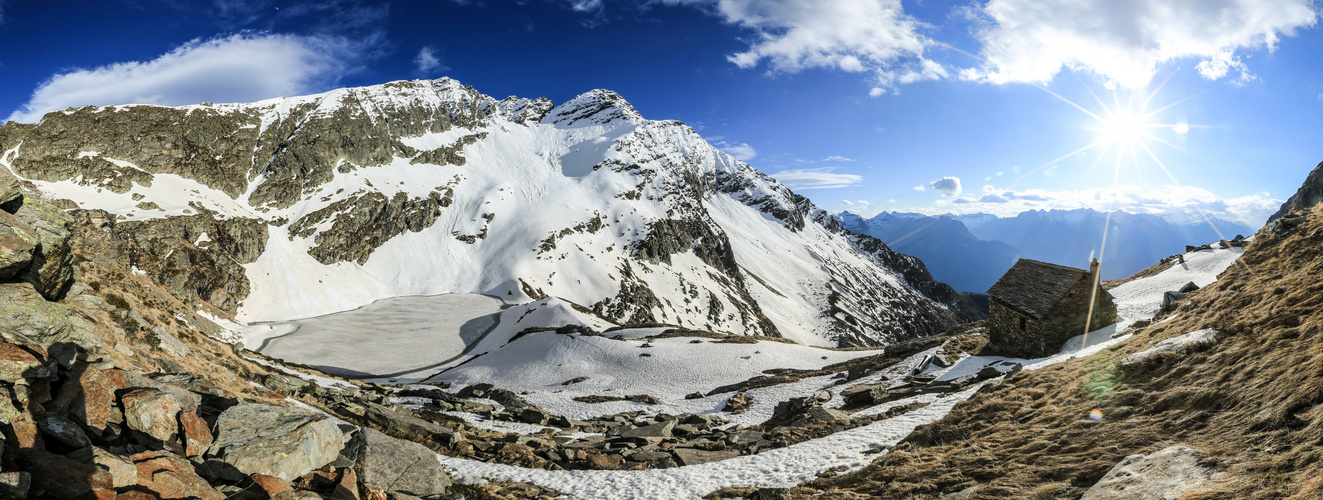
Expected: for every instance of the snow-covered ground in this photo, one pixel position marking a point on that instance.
(539, 362)
(393, 335)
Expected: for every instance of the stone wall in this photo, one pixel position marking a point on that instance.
(1005, 330)
(1066, 319)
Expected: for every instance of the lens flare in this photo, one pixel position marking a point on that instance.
(1095, 414)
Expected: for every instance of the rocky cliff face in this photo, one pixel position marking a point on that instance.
(300, 206)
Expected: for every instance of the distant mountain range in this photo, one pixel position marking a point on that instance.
(971, 251)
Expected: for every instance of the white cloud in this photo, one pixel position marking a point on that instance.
(737, 149)
(856, 36)
(838, 158)
(1178, 203)
(238, 68)
(847, 203)
(1125, 41)
(948, 186)
(820, 178)
(427, 62)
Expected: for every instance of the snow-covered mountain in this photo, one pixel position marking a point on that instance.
(295, 207)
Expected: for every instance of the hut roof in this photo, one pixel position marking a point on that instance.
(1033, 287)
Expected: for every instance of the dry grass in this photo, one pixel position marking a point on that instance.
(1253, 402)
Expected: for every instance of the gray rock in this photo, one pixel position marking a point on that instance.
(51, 270)
(11, 194)
(285, 384)
(690, 456)
(657, 430)
(122, 471)
(152, 412)
(826, 414)
(744, 438)
(402, 466)
(276, 441)
(17, 244)
(404, 425)
(29, 314)
(1167, 475)
(61, 429)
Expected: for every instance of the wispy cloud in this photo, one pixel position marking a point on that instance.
(838, 158)
(739, 150)
(820, 178)
(858, 36)
(1124, 42)
(427, 62)
(1172, 202)
(237, 68)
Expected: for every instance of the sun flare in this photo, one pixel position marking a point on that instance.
(1124, 127)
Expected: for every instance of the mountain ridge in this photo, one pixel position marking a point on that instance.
(397, 189)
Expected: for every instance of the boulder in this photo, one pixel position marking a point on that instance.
(30, 315)
(270, 486)
(408, 426)
(657, 430)
(66, 479)
(55, 426)
(196, 436)
(347, 487)
(285, 384)
(395, 465)
(18, 242)
(88, 396)
(1167, 474)
(1189, 286)
(152, 412)
(123, 472)
(51, 270)
(172, 477)
(276, 441)
(690, 456)
(11, 194)
(17, 363)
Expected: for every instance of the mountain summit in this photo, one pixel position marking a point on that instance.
(301, 206)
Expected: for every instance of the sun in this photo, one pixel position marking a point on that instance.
(1124, 127)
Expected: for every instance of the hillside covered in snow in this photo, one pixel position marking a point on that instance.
(297, 207)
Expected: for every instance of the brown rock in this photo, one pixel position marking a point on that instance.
(602, 461)
(372, 492)
(88, 396)
(17, 363)
(27, 436)
(66, 479)
(197, 437)
(135, 495)
(269, 486)
(690, 456)
(347, 488)
(172, 477)
(152, 412)
(122, 471)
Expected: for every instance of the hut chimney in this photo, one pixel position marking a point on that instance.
(1094, 272)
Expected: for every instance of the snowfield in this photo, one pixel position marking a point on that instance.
(617, 362)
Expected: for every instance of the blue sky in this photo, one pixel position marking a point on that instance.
(865, 105)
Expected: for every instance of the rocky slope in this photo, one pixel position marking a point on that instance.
(301, 206)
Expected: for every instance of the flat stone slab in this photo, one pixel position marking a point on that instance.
(1167, 475)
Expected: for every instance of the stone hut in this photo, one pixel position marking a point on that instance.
(1036, 306)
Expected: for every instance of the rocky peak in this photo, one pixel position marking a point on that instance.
(593, 107)
(1309, 194)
